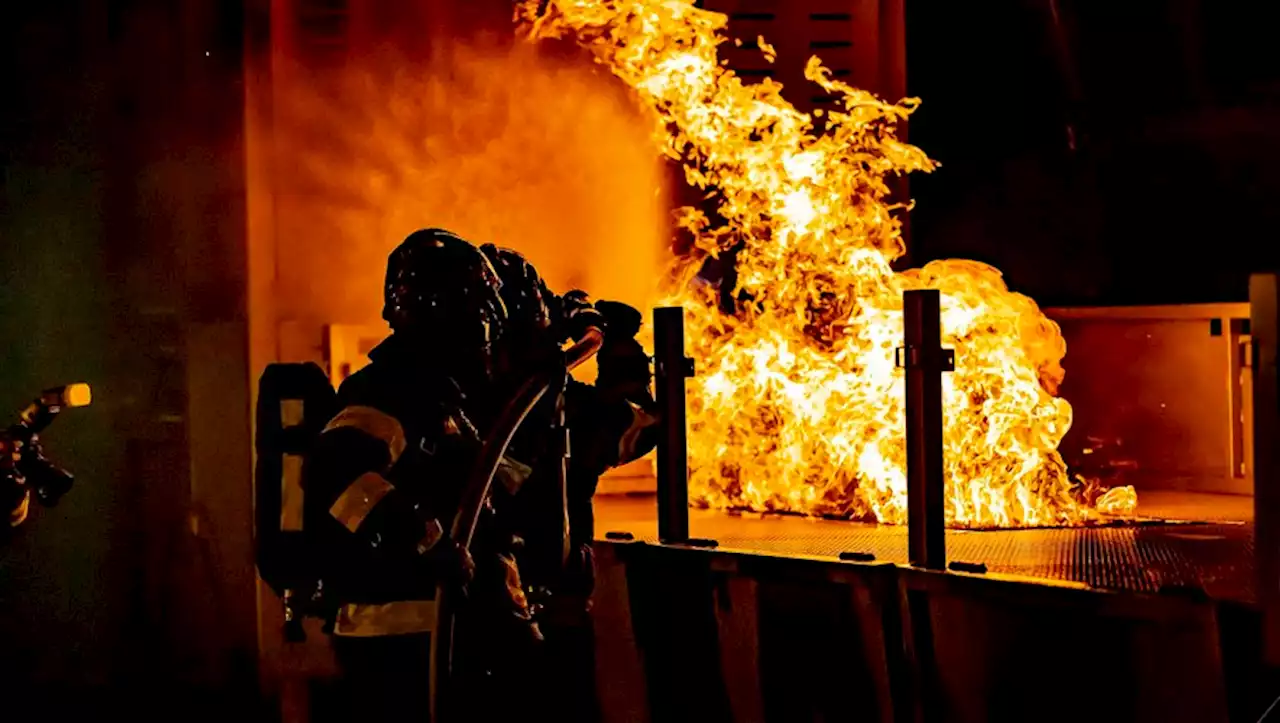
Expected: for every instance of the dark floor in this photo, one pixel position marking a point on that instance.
(1214, 552)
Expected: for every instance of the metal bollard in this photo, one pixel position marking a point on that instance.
(671, 367)
(1264, 328)
(924, 360)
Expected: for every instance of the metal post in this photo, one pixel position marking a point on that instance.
(1264, 325)
(924, 360)
(671, 367)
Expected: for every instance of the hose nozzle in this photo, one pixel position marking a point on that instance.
(41, 412)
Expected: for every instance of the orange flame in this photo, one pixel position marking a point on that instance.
(798, 405)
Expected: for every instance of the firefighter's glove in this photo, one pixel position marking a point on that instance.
(624, 366)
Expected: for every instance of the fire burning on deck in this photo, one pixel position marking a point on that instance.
(798, 405)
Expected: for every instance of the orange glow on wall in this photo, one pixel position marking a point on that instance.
(499, 144)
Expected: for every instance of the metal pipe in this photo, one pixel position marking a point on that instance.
(671, 367)
(924, 360)
(1264, 327)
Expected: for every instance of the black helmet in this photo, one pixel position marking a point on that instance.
(530, 336)
(524, 293)
(532, 308)
(444, 290)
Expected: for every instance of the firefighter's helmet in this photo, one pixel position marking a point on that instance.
(441, 287)
(526, 296)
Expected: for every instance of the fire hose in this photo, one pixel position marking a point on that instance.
(477, 491)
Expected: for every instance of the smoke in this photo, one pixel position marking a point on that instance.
(504, 145)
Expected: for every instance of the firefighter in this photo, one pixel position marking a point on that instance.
(610, 423)
(384, 477)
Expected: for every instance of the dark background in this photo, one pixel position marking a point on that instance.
(121, 232)
(1165, 190)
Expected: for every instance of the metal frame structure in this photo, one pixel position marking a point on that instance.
(925, 360)
(927, 582)
(1264, 322)
(671, 367)
(1228, 326)
(721, 632)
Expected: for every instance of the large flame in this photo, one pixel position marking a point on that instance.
(798, 404)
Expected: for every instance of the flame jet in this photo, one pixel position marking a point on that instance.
(798, 405)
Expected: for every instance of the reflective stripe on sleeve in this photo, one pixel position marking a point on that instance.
(373, 422)
(358, 500)
(359, 620)
(19, 513)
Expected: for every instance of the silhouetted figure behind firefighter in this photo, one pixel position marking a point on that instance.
(609, 423)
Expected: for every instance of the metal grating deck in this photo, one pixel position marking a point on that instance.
(1215, 556)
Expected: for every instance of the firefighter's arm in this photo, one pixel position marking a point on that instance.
(624, 368)
(346, 473)
(607, 430)
(615, 419)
